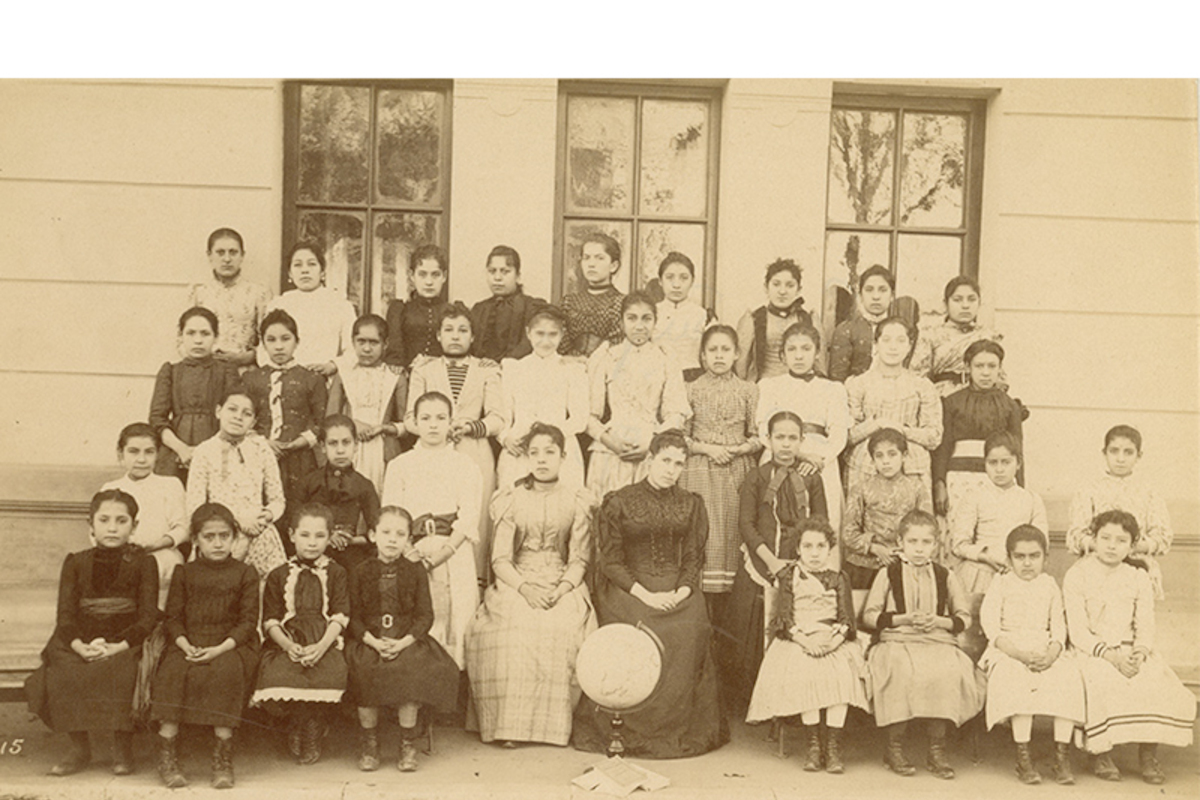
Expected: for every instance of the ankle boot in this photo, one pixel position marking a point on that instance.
(1062, 764)
(937, 762)
(1105, 769)
(1026, 773)
(368, 749)
(408, 751)
(222, 764)
(295, 725)
(894, 758)
(310, 741)
(77, 759)
(122, 763)
(168, 763)
(833, 751)
(1148, 760)
(812, 756)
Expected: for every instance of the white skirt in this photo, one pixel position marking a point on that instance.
(1014, 688)
(1152, 706)
(790, 681)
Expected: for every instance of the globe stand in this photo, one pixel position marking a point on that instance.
(616, 742)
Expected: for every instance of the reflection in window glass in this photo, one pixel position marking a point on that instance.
(861, 163)
(334, 142)
(341, 234)
(576, 231)
(848, 254)
(674, 177)
(600, 142)
(656, 239)
(933, 170)
(924, 264)
(409, 146)
(395, 237)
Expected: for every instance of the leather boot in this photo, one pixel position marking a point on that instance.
(311, 733)
(894, 758)
(168, 763)
(1105, 769)
(122, 763)
(222, 764)
(937, 762)
(1062, 764)
(812, 756)
(77, 759)
(1026, 773)
(295, 725)
(408, 750)
(368, 749)
(1148, 760)
(833, 751)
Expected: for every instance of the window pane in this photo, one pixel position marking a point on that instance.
(574, 232)
(333, 143)
(395, 237)
(341, 234)
(674, 157)
(933, 170)
(923, 266)
(656, 239)
(861, 160)
(409, 156)
(600, 153)
(848, 254)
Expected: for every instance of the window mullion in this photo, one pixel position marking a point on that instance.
(894, 250)
(635, 227)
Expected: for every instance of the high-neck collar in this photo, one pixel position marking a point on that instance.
(271, 365)
(962, 327)
(228, 441)
(784, 313)
(874, 319)
(806, 377)
(423, 300)
(600, 290)
(193, 361)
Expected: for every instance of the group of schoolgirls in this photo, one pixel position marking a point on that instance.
(927, 420)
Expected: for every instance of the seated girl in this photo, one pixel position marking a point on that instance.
(917, 607)
(106, 608)
(540, 552)
(814, 663)
(1132, 695)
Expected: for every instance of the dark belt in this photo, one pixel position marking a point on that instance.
(811, 427)
(950, 377)
(101, 607)
(433, 525)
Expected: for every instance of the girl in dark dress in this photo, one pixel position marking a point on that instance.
(393, 661)
(107, 605)
(650, 556)
(413, 324)
(306, 606)
(186, 392)
(212, 627)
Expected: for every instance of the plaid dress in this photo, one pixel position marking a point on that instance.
(723, 413)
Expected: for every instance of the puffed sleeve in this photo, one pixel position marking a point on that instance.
(493, 417)
(176, 508)
(928, 431)
(161, 400)
(147, 602)
(964, 517)
(504, 527)
(1079, 528)
(579, 547)
(67, 614)
(1143, 612)
(691, 559)
(745, 361)
(1079, 629)
(175, 624)
(840, 350)
(245, 632)
(611, 545)
(339, 594)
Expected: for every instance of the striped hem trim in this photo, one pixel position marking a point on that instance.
(285, 693)
(1138, 719)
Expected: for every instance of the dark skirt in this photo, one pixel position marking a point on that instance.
(352, 556)
(740, 639)
(860, 577)
(88, 695)
(683, 717)
(424, 673)
(203, 694)
(282, 681)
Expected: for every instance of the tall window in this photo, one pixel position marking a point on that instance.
(638, 162)
(905, 182)
(367, 176)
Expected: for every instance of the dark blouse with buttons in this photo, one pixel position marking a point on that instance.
(412, 329)
(654, 537)
(498, 325)
(211, 601)
(346, 492)
(186, 395)
(302, 398)
(110, 593)
(396, 593)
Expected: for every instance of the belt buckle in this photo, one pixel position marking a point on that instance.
(388, 621)
(431, 527)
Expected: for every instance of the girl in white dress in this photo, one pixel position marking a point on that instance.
(325, 318)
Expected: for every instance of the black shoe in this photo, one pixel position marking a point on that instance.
(813, 760)
(222, 764)
(1026, 772)
(76, 760)
(1105, 769)
(168, 763)
(937, 762)
(894, 759)
(1062, 764)
(368, 749)
(833, 751)
(1148, 760)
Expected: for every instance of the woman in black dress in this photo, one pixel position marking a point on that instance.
(650, 556)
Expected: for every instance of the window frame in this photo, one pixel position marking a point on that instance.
(711, 92)
(903, 102)
(293, 205)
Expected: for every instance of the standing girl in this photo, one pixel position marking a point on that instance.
(442, 488)
(106, 609)
(239, 471)
(721, 448)
(941, 352)
(239, 304)
(1132, 695)
(917, 671)
(594, 314)
(681, 322)
(762, 329)
(773, 501)
(413, 325)
(186, 392)
(306, 606)
(1023, 618)
(522, 643)
(545, 387)
(820, 402)
(969, 416)
(289, 402)
(852, 344)
(325, 316)
(889, 396)
(814, 662)
(391, 657)
(473, 386)
(212, 630)
(499, 322)
(1120, 489)
(373, 394)
(643, 393)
